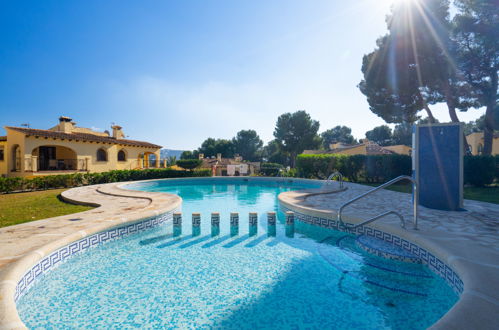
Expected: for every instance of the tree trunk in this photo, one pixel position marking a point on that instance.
(428, 112)
(427, 109)
(293, 159)
(488, 131)
(453, 116)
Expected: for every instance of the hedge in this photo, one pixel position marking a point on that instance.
(377, 168)
(270, 169)
(189, 164)
(8, 185)
(478, 170)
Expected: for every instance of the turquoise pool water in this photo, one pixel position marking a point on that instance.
(152, 280)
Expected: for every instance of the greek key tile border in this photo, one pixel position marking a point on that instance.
(434, 263)
(57, 257)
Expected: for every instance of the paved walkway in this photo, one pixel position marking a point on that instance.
(468, 241)
(114, 205)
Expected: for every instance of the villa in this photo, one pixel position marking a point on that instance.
(476, 142)
(228, 166)
(66, 148)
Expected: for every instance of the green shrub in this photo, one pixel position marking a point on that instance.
(315, 166)
(381, 168)
(11, 184)
(189, 164)
(480, 170)
(78, 179)
(292, 173)
(270, 169)
(355, 168)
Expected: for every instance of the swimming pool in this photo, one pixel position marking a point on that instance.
(151, 279)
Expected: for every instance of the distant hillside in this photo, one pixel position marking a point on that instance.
(165, 153)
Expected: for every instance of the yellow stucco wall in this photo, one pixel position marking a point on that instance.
(400, 149)
(475, 141)
(86, 152)
(3, 163)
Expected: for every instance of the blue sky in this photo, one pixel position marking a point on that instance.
(177, 72)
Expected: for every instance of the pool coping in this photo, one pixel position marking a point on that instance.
(472, 305)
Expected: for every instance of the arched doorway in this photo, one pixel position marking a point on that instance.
(55, 158)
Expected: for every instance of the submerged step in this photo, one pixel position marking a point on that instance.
(348, 243)
(384, 249)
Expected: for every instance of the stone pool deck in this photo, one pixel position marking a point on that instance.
(467, 241)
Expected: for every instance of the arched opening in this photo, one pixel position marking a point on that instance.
(55, 158)
(121, 156)
(101, 155)
(16, 158)
(149, 159)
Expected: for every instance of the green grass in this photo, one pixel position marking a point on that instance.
(484, 194)
(488, 194)
(31, 206)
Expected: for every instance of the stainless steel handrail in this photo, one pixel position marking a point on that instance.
(333, 175)
(384, 185)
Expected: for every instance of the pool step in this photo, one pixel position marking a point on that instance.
(373, 268)
(349, 245)
(393, 275)
(385, 249)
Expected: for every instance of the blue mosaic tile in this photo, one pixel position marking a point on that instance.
(57, 257)
(384, 248)
(434, 264)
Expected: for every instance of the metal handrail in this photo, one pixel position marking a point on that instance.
(333, 175)
(384, 185)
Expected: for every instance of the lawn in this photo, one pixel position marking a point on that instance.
(30, 206)
(488, 194)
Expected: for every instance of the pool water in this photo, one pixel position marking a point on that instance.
(153, 280)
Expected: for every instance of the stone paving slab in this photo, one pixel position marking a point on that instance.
(39, 233)
(467, 241)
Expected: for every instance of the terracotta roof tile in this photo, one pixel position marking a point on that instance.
(82, 137)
